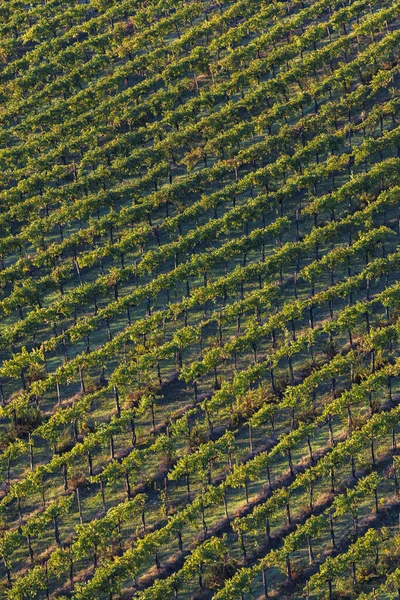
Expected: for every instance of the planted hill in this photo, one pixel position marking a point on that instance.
(199, 299)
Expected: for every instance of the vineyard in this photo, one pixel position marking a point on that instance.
(200, 299)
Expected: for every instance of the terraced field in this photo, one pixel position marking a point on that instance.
(199, 299)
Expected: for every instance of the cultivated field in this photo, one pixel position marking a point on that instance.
(199, 299)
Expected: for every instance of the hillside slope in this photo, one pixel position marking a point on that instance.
(200, 299)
